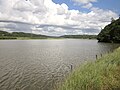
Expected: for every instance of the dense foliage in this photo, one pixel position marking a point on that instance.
(111, 33)
(80, 36)
(15, 35)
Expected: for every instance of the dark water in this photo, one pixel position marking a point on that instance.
(40, 64)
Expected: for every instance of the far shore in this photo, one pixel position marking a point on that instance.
(27, 38)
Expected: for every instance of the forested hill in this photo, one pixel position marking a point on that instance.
(111, 33)
(15, 35)
(80, 36)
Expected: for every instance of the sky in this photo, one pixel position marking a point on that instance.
(57, 17)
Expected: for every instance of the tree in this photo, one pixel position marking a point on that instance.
(112, 19)
(111, 32)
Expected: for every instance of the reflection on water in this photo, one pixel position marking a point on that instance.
(40, 64)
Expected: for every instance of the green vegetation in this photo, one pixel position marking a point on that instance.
(21, 35)
(80, 36)
(111, 33)
(102, 74)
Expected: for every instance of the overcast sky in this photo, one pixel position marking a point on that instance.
(57, 17)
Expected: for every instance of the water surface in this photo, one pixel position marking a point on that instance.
(39, 64)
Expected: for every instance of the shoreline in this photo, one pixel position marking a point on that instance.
(47, 39)
(102, 74)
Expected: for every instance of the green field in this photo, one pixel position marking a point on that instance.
(102, 74)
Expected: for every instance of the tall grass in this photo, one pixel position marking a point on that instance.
(102, 74)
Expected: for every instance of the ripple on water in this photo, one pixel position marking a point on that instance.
(42, 64)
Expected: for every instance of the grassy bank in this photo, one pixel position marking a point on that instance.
(21, 38)
(103, 74)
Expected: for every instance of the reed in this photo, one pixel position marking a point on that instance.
(102, 74)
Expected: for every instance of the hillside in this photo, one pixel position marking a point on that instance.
(80, 36)
(16, 35)
(111, 32)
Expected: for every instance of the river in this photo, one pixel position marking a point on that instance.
(40, 64)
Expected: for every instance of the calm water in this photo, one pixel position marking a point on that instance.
(39, 64)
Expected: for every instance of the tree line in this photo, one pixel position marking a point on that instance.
(111, 32)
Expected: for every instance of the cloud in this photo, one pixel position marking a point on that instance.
(88, 6)
(66, 30)
(46, 17)
(15, 26)
(11, 21)
(84, 1)
(23, 6)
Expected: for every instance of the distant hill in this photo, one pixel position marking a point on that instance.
(80, 36)
(111, 32)
(15, 35)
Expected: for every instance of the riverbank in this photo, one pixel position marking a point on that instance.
(102, 74)
(37, 38)
(27, 36)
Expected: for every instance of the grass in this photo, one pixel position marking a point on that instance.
(21, 38)
(102, 74)
(28, 38)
